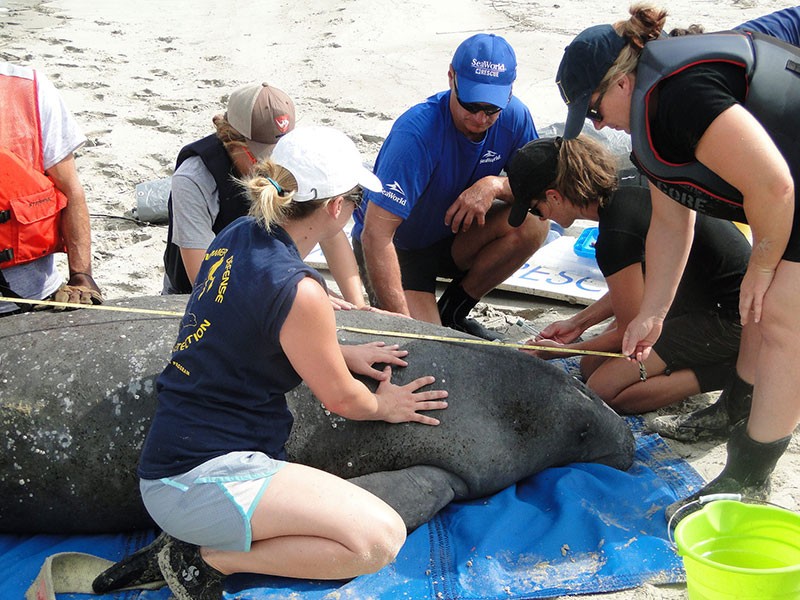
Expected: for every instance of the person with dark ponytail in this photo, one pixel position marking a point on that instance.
(213, 468)
(714, 128)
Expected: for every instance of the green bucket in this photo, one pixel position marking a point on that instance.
(737, 551)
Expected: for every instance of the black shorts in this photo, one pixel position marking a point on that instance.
(418, 268)
(704, 342)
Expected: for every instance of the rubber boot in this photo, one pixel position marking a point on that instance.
(140, 568)
(454, 307)
(713, 422)
(188, 575)
(747, 470)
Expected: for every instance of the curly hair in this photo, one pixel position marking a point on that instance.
(586, 172)
(229, 136)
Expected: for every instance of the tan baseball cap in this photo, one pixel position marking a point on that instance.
(261, 113)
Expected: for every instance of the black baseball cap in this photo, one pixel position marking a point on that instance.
(531, 170)
(584, 64)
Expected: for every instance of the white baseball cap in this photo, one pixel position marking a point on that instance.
(325, 163)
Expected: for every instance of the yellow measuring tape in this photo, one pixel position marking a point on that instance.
(53, 303)
(442, 338)
(401, 334)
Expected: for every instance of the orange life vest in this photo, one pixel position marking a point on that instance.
(30, 204)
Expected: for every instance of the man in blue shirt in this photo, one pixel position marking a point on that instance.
(444, 208)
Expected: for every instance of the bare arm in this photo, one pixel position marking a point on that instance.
(737, 148)
(567, 330)
(380, 257)
(623, 300)
(75, 226)
(474, 202)
(669, 240)
(192, 259)
(325, 371)
(343, 267)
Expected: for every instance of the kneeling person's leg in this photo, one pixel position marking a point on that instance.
(311, 524)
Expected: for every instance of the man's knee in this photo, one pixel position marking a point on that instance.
(533, 232)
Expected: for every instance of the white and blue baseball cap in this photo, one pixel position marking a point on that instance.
(486, 67)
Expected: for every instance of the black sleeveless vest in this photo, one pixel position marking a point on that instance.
(772, 69)
(233, 202)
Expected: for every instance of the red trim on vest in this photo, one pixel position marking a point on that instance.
(655, 87)
(672, 164)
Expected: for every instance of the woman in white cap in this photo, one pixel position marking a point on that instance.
(213, 471)
(715, 128)
(205, 197)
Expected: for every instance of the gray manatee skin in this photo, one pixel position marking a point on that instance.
(77, 391)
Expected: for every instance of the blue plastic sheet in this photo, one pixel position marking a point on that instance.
(579, 529)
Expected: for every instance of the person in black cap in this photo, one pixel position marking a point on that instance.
(564, 180)
(715, 128)
(437, 215)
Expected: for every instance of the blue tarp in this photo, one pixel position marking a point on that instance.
(579, 529)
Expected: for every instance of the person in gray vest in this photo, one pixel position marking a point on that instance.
(206, 196)
(715, 129)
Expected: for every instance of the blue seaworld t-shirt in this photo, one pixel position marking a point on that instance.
(223, 390)
(783, 24)
(425, 163)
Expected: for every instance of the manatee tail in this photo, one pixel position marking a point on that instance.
(417, 493)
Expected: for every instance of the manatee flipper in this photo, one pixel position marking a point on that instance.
(417, 493)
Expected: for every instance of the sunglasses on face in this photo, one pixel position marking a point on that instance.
(534, 209)
(593, 112)
(474, 108)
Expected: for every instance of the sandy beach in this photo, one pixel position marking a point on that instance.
(145, 78)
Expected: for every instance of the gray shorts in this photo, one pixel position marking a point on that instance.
(703, 342)
(211, 505)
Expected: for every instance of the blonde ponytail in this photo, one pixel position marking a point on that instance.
(271, 189)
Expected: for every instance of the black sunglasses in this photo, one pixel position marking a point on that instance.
(534, 209)
(474, 108)
(593, 112)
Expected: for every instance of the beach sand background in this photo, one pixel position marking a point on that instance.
(144, 78)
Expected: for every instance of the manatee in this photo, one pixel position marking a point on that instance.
(77, 391)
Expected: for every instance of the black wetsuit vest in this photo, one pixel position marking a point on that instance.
(233, 202)
(772, 69)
